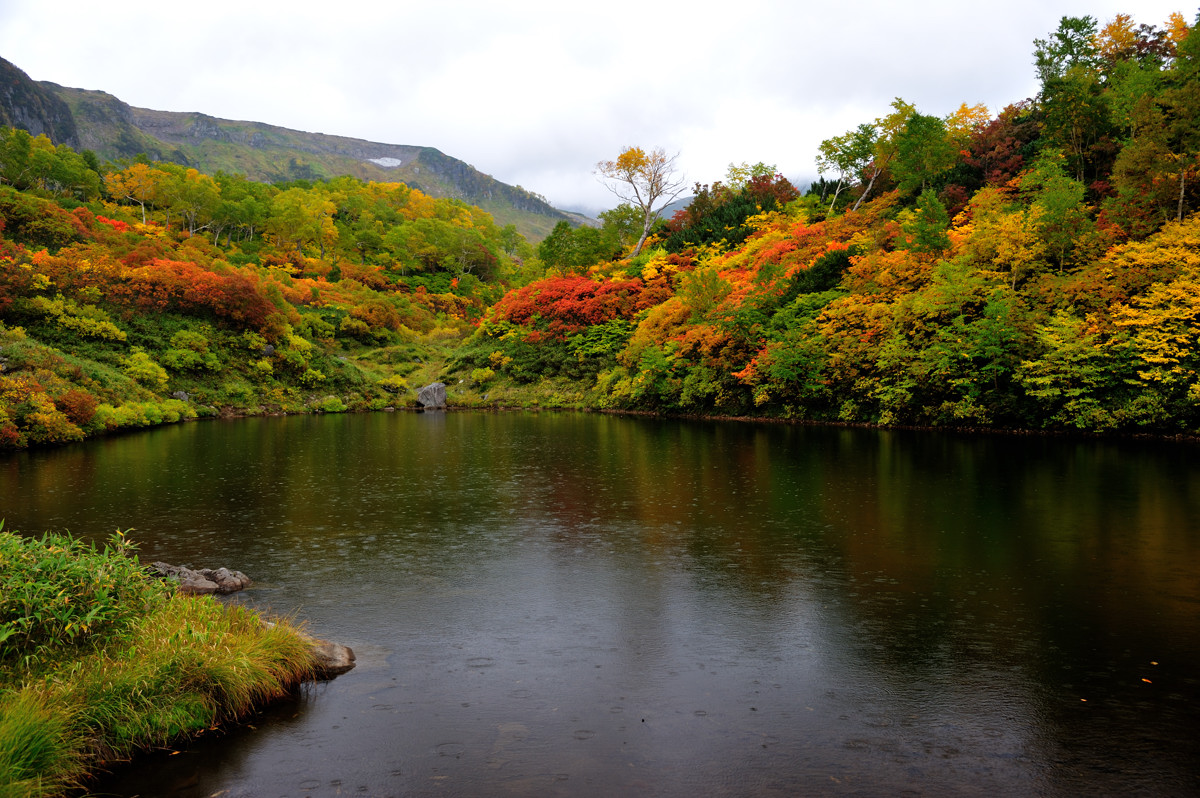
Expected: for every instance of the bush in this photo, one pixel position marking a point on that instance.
(140, 367)
(330, 404)
(58, 591)
(394, 384)
(78, 406)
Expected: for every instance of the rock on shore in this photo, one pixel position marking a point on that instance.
(329, 659)
(332, 659)
(202, 581)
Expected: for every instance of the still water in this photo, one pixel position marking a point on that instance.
(581, 605)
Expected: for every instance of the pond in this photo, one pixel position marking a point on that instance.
(572, 605)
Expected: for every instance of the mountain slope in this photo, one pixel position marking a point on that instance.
(113, 129)
(31, 106)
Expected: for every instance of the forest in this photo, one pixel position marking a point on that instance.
(1031, 268)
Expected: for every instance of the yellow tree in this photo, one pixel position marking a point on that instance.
(647, 181)
(1164, 319)
(137, 183)
(1117, 40)
(302, 216)
(963, 122)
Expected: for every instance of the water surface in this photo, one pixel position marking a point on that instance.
(557, 604)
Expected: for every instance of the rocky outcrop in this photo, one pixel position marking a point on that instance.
(202, 581)
(27, 105)
(432, 396)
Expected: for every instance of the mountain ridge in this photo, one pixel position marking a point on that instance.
(114, 130)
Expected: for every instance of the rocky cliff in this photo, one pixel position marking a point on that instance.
(31, 106)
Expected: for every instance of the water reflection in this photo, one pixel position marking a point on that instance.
(558, 604)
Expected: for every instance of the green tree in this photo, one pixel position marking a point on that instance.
(847, 156)
(927, 224)
(923, 152)
(1072, 45)
(624, 224)
(1058, 201)
(301, 217)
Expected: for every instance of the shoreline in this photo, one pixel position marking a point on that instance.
(101, 662)
(228, 414)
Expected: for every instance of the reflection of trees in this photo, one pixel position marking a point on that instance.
(938, 559)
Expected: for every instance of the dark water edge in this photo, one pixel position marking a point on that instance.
(567, 604)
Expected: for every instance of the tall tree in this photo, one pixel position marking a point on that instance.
(847, 156)
(884, 147)
(923, 151)
(648, 181)
(1073, 44)
(140, 183)
(1076, 118)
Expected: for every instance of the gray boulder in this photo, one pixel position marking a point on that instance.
(202, 581)
(433, 395)
(331, 659)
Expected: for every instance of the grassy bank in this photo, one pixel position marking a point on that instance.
(98, 662)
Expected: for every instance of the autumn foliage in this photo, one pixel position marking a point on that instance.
(559, 306)
(1037, 268)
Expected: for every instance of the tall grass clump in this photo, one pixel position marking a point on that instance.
(196, 663)
(98, 661)
(37, 754)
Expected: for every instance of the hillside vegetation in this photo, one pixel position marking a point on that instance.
(1036, 268)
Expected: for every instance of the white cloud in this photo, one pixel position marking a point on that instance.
(536, 93)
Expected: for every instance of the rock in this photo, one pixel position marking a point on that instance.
(227, 581)
(181, 396)
(433, 395)
(331, 659)
(193, 584)
(202, 581)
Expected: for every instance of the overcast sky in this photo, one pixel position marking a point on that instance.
(536, 93)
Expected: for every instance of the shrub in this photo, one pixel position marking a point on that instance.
(60, 591)
(78, 406)
(140, 367)
(312, 378)
(394, 384)
(330, 404)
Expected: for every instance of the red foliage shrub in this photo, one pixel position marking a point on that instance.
(179, 285)
(145, 251)
(78, 406)
(85, 217)
(371, 276)
(567, 304)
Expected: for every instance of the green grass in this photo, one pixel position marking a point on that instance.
(36, 754)
(161, 668)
